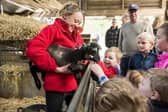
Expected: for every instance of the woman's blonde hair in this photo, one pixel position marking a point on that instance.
(118, 95)
(117, 51)
(135, 77)
(69, 9)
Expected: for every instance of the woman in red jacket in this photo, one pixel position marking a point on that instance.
(59, 82)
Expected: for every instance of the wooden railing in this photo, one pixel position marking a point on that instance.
(83, 100)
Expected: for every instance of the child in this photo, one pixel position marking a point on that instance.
(111, 62)
(143, 59)
(155, 87)
(135, 77)
(110, 65)
(162, 45)
(118, 95)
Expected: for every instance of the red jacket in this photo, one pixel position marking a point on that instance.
(57, 33)
(110, 72)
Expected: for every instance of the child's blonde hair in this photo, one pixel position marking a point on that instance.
(117, 51)
(135, 77)
(159, 82)
(147, 36)
(119, 95)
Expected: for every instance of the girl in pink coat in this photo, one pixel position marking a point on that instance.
(162, 45)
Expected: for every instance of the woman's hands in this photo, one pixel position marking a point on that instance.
(63, 69)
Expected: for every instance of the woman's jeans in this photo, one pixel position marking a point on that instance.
(54, 100)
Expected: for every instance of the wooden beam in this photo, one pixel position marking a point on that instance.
(102, 0)
(122, 6)
(104, 12)
(119, 12)
(104, 7)
(100, 3)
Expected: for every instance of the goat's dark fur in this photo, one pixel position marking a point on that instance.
(63, 56)
(33, 108)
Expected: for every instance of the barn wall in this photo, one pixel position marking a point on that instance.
(118, 7)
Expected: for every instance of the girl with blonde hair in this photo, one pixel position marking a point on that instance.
(118, 95)
(162, 45)
(155, 87)
(135, 77)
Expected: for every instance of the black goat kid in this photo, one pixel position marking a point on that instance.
(64, 56)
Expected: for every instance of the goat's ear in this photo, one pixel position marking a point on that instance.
(95, 45)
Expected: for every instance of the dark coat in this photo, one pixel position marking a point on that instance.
(112, 37)
(139, 62)
(157, 106)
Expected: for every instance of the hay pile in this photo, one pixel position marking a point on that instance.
(19, 28)
(10, 79)
(16, 81)
(11, 104)
(14, 67)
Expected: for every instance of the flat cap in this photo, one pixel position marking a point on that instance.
(133, 7)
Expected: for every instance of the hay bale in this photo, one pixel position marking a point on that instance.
(11, 54)
(16, 81)
(19, 28)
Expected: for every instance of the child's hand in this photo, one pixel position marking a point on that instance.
(97, 70)
(99, 73)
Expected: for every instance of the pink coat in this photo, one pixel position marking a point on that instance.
(162, 61)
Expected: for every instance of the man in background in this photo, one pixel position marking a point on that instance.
(125, 19)
(128, 33)
(111, 37)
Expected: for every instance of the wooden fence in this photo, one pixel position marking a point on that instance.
(83, 100)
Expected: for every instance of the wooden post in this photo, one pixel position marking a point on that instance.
(166, 12)
(1, 8)
(80, 3)
(162, 3)
(84, 5)
(122, 4)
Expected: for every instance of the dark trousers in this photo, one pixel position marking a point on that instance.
(124, 65)
(54, 100)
